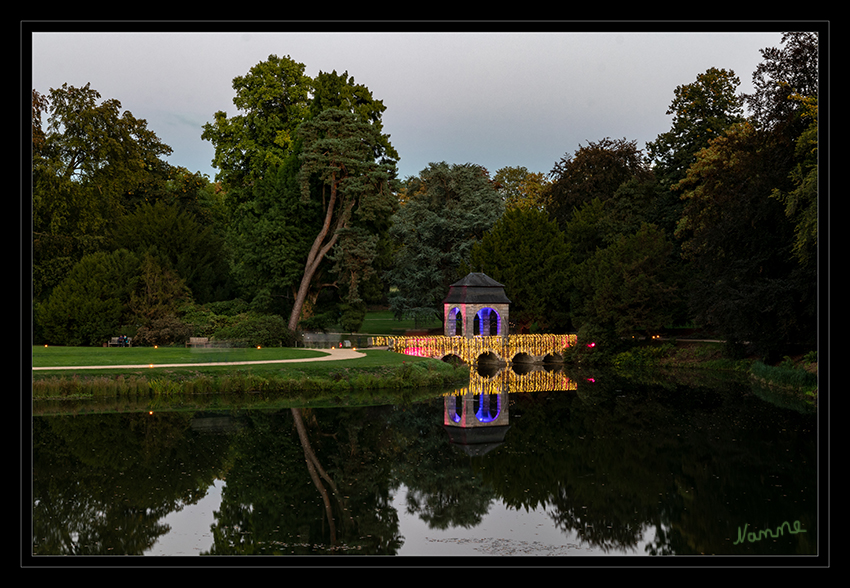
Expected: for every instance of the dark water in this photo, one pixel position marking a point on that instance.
(604, 466)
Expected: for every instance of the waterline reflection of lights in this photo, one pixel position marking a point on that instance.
(508, 380)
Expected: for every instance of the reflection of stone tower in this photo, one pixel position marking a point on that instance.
(475, 409)
(476, 305)
(476, 422)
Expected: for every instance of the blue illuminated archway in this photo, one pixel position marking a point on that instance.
(488, 322)
(487, 407)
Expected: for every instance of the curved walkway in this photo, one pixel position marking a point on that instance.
(332, 355)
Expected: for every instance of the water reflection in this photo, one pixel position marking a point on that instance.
(615, 463)
(476, 417)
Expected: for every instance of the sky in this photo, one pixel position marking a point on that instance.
(498, 99)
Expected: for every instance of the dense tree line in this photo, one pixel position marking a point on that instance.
(713, 224)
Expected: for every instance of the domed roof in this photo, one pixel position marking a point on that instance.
(477, 288)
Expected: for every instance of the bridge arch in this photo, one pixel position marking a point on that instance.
(522, 357)
(488, 355)
(452, 358)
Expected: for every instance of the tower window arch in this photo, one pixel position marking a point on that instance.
(454, 322)
(488, 322)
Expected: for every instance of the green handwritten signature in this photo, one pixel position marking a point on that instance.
(780, 530)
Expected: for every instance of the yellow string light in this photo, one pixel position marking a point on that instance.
(469, 349)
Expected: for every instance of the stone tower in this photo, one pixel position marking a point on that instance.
(476, 306)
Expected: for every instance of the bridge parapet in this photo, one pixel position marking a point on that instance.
(469, 349)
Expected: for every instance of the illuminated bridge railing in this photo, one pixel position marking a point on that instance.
(470, 349)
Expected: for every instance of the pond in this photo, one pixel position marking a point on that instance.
(536, 464)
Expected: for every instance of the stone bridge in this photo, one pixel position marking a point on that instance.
(475, 328)
(504, 349)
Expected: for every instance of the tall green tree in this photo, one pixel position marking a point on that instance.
(627, 288)
(526, 251)
(702, 110)
(340, 91)
(748, 199)
(737, 241)
(86, 161)
(594, 171)
(363, 252)
(521, 188)
(270, 234)
(339, 166)
(181, 242)
(96, 145)
(273, 98)
(785, 103)
(293, 130)
(445, 211)
(792, 69)
(92, 302)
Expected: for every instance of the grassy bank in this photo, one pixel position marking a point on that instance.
(378, 371)
(86, 356)
(798, 375)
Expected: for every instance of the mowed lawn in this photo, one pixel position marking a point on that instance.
(384, 323)
(150, 362)
(86, 356)
(376, 323)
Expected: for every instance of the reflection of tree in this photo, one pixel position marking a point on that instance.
(338, 503)
(449, 502)
(620, 462)
(264, 500)
(317, 474)
(102, 483)
(442, 486)
(362, 463)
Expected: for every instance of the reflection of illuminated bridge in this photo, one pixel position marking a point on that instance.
(476, 417)
(507, 380)
(509, 349)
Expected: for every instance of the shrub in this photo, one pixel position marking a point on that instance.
(783, 376)
(167, 330)
(205, 320)
(352, 316)
(266, 330)
(643, 356)
(90, 304)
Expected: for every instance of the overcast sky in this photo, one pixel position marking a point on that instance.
(495, 99)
